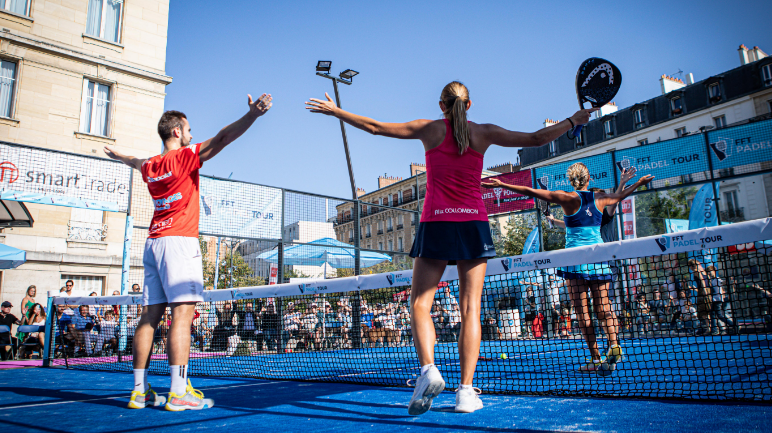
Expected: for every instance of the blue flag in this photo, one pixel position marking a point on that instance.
(531, 244)
(704, 212)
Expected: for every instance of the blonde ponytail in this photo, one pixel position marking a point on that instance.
(455, 96)
(578, 175)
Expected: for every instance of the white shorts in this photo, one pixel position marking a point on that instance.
(173, 270)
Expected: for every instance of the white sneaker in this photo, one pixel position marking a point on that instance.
(467, 400)
(427, 386)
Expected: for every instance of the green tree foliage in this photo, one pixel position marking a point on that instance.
(651, 209)
(236, 270)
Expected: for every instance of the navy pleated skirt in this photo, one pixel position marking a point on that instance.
(453, 241)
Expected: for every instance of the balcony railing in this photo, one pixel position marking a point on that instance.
(368, 235)
(733, 215)
(85, 231)
(399, 226)
(380, 232)
(351, 238)
(390, 229)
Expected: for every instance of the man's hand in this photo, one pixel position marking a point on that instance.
(645, 180)
(111, 153)
(493, 183)
(261, 106)
(627, 174)
(583, 116)
(325, 107)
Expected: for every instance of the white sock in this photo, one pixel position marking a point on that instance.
(179, 375)
(140, 380)
(460, 387)
(425, 368)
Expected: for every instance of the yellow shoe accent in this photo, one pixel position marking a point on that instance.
(178, 403)
(140, 400)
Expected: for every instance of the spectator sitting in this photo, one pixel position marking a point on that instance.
(720, 304)
(564, 323)
(270, 323)
(658, 309)
(454, 323)
(107, 333)
(529, 307)
(135, 288)
(8, 319)
(311, 329)
(28, 300)
(36, 316)
(226, 327)
(404, 328)
(643, 315)
(83, 324)
(249, 326)
(490, 330)
(65, 334)
(95, 311)
(292, 323)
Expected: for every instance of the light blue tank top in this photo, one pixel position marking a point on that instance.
(583, 226)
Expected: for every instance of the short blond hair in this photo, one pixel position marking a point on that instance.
(578, 175)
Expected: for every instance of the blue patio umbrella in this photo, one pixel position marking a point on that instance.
(325, 250)
(11, 257)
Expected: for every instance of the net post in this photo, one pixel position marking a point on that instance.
(217, 264)
(712, 181)
(280, 257)
(125, 269)
(49, 330)
(538, 215)
(357, 252)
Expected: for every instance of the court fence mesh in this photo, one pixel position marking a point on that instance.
(691, 313)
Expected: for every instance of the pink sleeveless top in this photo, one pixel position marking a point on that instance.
(453, 183)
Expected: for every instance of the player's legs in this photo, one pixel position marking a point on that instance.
(471, 276)
(578, 292)
(178, 337)
(143, 335)
(426, 276)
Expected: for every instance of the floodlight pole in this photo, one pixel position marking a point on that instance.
(335, 81)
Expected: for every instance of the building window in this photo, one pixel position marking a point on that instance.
(7, 87)
(95, 108)
(680, 132)
(719, 121)
(714, 93)
(399, 196)
(20, 7)
(86, 225)
(391, 245)
(84, 285)
(676, 106)
(399, 221)
(608, 128)
(399, 244)
(643, 142)
(369, 233)
(104, 19)
(380, 246)
(769, 106)
(553, 148)
(638, 118)
(389, 225)
(732, 205)
(766, 74)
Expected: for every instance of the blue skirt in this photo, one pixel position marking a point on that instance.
(452, 241)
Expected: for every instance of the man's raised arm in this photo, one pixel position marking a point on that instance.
(131, 161)
(230, 133)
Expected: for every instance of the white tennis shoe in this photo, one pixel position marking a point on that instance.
(427, 386)
(468, 400)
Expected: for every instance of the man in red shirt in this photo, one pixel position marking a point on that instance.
(172, 258)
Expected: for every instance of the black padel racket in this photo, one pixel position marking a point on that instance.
(544, 207)
(597, 82)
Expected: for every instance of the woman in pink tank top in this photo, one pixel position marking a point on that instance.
(454, 224)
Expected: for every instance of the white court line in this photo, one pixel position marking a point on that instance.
(23, 406)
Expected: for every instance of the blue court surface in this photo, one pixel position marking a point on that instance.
(59, 400)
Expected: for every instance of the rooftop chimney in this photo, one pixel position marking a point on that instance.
(743, 50)
(550, 122)
(689, 79)
(609, 108)
(360, 192)
(384, 180)
(668, 84)
(750, 55)
(506, 167)
(416, 168)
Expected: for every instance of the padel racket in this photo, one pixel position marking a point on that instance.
(544, 207)
(597, 82)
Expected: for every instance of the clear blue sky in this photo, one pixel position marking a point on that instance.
(519, 60)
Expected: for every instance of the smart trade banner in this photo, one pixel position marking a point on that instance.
(628, 218)
(665, 159)
(745, 145)
(239, 209)
(553, 177)
(500, 200)
(34, 175)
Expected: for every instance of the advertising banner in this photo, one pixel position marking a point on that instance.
(553, 177)
(239, 209)
(628, 218)
(666, 159)
(733, 148)
(274, 274)
(35, 175)
(500, 200)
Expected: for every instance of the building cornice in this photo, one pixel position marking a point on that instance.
(52, 48)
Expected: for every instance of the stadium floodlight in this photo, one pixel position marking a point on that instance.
(348, 74)
(323, 66)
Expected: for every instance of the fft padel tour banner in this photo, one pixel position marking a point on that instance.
(35, 175)
(500, 200)
(231, 208)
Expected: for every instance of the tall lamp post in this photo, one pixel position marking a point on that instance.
(345, 77)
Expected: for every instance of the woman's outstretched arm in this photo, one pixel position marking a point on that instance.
(614, 198)
(497, 135)
(410, 130)
(558, 197)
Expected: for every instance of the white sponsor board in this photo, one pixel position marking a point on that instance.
(691, 240)
(34, 175)
(230, 208)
